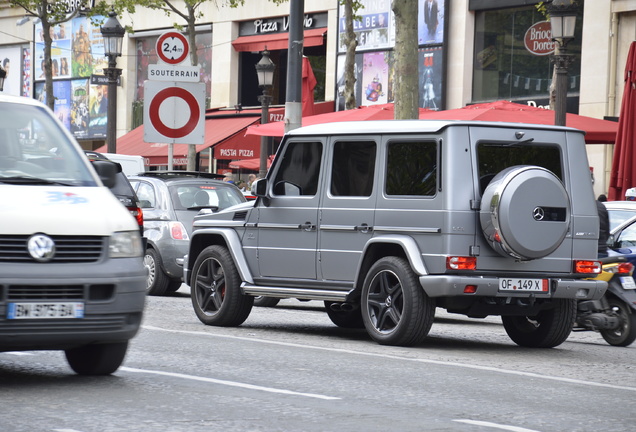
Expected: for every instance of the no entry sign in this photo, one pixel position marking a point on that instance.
(174, 112)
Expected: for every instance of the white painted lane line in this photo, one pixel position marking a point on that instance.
(229, 383)
(65, 430)
(19, 353)
(495, 425)
(393, 357)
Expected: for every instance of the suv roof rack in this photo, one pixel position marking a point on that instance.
(166, 175)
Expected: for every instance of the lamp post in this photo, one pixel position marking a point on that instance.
(265, 71)
(113, 34)
(563, 22)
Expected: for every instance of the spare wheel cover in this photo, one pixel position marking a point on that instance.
(530, 209)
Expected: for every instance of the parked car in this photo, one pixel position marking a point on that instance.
(122, 189)
(620, 211)
(71, 273)
(170, 200)
(622, 240)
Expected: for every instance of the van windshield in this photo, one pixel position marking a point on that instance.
(35, 149)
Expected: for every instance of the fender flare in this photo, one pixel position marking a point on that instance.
(233, 243)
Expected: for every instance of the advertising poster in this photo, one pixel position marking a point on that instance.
(10, 62)
(79, 108)
(374, 30)
(98, 110)
(431, 76)
(430, 29)
(26, 72)
(375, 78)
(62, 106)
(357, 70)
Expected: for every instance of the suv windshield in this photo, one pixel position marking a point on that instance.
(33, 146)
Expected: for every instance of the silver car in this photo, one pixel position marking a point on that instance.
(170, 200)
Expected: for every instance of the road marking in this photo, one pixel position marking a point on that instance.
(394, 357)
(19, 353)
(495, 425)
(229, 383)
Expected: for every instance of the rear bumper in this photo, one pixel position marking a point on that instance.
(453, 286)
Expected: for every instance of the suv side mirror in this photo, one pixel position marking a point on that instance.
(259, 188)
(107, 172)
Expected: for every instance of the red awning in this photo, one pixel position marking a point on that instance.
(277, 41)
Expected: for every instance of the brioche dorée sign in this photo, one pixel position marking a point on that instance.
(538, 39)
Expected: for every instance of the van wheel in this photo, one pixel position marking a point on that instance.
(97, 359)
(264, 301)
(548, 329)
(344, 317)
(156, 280)
(215, 289)
(395, 309)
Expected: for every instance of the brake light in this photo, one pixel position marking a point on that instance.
(461, 263)
(138, 214)
(178, 231)
(625, 268)
(587, 267)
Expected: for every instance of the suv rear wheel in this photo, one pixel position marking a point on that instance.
(395, 309)
(215, 285)
(549, 328)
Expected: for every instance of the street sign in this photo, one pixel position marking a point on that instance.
(161, 72)
(172, 48)
(174, 112)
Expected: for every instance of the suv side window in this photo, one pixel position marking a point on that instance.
(352, 168)
(299, 170)
(411, 168)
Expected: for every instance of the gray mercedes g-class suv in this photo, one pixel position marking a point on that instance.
(385, 221)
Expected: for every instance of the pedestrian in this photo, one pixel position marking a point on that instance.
(603, 232)
(250, 180)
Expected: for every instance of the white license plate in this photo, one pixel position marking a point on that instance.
(55, 310)
(516, 284)
(628, 282)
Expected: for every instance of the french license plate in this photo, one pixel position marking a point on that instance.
(628, 282)
(51, 310)
(516, 284)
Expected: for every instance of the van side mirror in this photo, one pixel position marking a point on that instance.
(107, 171)
(259, 188)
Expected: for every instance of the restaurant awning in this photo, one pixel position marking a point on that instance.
(277, 41)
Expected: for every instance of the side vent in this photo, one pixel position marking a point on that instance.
(240, 216)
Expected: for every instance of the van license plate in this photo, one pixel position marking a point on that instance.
(49, 310)
(628, 282)
(533, 285)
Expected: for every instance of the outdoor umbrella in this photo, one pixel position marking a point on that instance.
(623, 176)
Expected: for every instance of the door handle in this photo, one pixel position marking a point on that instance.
(307, 226)
(364, 228)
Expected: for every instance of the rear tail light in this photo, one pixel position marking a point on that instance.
(624, 268)
(461, 263)
(178, 231)
(137, 214)
(587, 267)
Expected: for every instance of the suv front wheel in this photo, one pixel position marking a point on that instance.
(215, 285)
(395, 309)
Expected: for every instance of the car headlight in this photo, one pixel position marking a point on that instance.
(125, 244)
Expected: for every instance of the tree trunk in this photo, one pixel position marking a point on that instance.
(406, 70)
(350, 57)
(48, 64)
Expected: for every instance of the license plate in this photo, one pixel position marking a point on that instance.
(531, 285)
(54, 310)
(628, 282)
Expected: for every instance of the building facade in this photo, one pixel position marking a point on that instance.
(470, 51)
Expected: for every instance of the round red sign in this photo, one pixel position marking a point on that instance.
(538, 39)
(166, 130)
(172, 47)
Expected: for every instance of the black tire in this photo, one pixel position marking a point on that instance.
(156, 281)
(215, 289)
(395, 309)
(263, 301)
(97, 359)
(345, 318)
(551, 327)
(626, 333)
(174, 285)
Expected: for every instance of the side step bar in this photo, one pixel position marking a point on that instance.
(297, 293)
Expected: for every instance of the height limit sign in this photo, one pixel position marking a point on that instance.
(172, 48)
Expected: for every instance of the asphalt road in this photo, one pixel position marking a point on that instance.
(290, 369)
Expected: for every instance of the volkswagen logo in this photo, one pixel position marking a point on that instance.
(538, 214)
(41, 247)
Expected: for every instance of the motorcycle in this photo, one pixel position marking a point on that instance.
(614, 314)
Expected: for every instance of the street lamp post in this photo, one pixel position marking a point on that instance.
(265, 71)
(113, 34)
(563, 22)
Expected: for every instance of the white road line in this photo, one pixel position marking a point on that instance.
(495, 425)
(229, 383)
(19, 353)
(393, 357)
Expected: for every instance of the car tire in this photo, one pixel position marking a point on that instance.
(344, 318)
(395, 309)
(626, 333)
(157, 281)
(174, 285)
(97, 359)
(264, 301)
(215, 289)
(549, 328)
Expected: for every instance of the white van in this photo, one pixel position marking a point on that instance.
(71, 271)
(130, 164)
